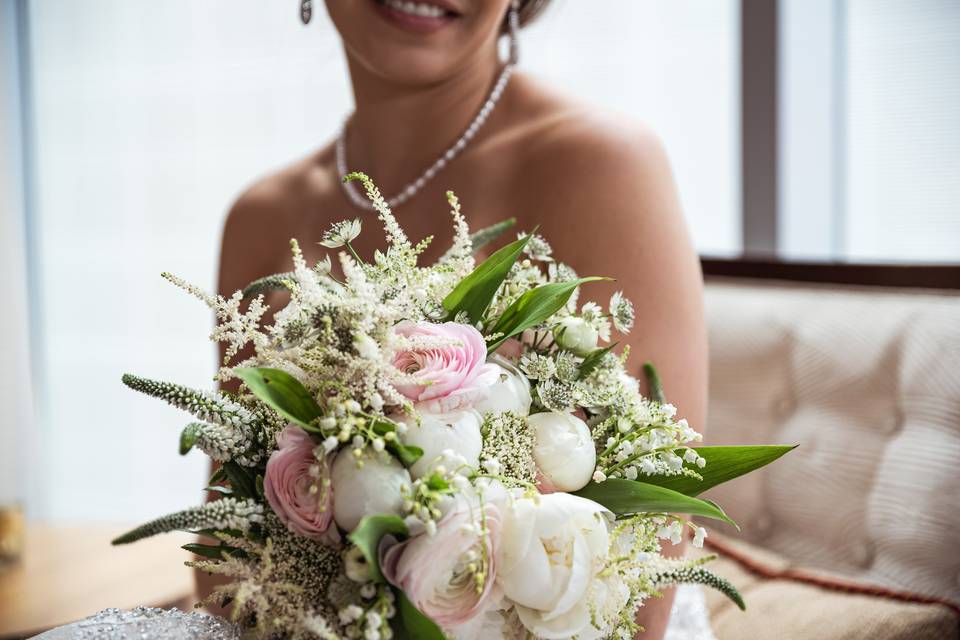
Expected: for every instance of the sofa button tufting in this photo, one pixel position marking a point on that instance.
(863, 554)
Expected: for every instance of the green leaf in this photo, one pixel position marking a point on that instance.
(367, 537)
(216, 488)
(723, 464)
(474, 293)
(653, 383)
(218, 475)
(405, 453)
(627, 497)
(483, 237)
(284, 394)
(411, 624)
(241, 482)
(205, 550)
(533, 307)
(188, 437)
(593, 359)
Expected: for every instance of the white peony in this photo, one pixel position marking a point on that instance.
(372, 488)
(577, 335)
(439, 435)
(563, 450)
(511, 392)
(552, 549)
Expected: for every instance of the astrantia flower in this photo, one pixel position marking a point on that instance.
(538, 367)
(340, 233)
(556, 396)
(538, 249)
(621, 310)
(593, 314)
(568, 369)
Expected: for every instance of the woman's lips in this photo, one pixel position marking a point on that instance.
(418, 17)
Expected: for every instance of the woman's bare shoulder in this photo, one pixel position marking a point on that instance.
(577, 157)
(266, 215)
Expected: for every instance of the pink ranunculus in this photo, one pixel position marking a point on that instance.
(432, 569)
(446, 377)
(287, 485)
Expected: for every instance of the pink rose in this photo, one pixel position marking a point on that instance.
(432, 570)
(291, 472)
(449, 376)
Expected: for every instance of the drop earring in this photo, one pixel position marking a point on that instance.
(513, 26)
(306, 11)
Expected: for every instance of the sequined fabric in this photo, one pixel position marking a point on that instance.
(145, 623)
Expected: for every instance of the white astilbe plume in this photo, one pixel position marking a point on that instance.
(395, 234)
(460, 254)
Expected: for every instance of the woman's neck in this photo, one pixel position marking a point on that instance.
(398, 130)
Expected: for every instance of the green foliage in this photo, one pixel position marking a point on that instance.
(241, 482)
(628, 497)
(474, 293)
(405, 453)
(188, 437)
(533, 307)
(284, 394)
(593, 360)
(214, 552)
(654, 385)
(723, 464)
(275, 282)
(483, 237)
(411, 624)
(367, 538)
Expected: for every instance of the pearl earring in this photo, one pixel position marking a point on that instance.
(306, 11)
(513, 26)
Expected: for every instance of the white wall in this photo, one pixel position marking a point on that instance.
(151, 116)
(16, 402)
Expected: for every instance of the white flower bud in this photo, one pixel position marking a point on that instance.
(563, 451)
(450, 440)
(511, 392)
(373, 489)
(355, 565)
(576, 335)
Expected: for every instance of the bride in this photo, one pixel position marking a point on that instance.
(437, 109)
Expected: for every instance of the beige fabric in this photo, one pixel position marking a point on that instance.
(868, 383)
(784, 609)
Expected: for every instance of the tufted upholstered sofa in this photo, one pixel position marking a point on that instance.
(867, 381)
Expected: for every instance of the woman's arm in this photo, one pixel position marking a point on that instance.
(605, 198)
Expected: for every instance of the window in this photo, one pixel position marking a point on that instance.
(870, 130)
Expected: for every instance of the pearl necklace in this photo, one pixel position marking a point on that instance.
(361, 201)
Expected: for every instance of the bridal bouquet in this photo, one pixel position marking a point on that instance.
(441, 451)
